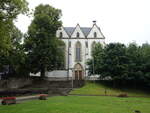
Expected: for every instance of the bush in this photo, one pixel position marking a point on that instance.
(8, 100)
(123, 95)
(43, 97)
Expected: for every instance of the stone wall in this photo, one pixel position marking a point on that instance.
(14, 83)
(29, 86)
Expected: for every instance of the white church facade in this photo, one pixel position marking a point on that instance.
(79, 42)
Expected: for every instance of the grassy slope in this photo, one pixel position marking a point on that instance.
(81, 104)
(99, 89)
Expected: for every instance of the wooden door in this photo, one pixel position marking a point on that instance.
(76, 75)
(80, 75)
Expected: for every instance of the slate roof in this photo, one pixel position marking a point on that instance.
(85, 30)
(69, 30)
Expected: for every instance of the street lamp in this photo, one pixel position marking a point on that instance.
(93, 66)
(93, 70)
(72, 78)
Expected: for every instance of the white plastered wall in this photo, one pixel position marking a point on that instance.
(77, 29)
(97, 30)
(86, 52)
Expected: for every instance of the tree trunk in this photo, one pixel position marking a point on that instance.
(114, 83)
(42, 72)
(134, 84)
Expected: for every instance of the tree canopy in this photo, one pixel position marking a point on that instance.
(42, 46)
(9, 34)
(121, 63)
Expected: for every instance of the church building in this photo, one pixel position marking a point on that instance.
(79, 42)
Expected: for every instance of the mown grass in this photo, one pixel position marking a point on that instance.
(92, 88)
(81, 104)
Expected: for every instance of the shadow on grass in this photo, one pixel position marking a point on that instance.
(107, 88)
(130, 88)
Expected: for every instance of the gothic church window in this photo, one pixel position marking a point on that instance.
(69, 44)
(60, 34)
(78, 34)
(86, 44)
(78, 52)
(95, 35)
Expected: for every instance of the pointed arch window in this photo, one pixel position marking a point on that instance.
(86, 44)
(78, 52)
(95, 35)
(78, 34)
(69, 44)
(60, 34)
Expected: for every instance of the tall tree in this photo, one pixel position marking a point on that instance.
(9, 10)
(95, 64)
(110, 61)
(17, 56)
(145, 50)
(123, 64)
(115, 61)
(135, 62)
(43, 48)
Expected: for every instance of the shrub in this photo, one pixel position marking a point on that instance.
(123, 95)
(8, 100)
(43, 96)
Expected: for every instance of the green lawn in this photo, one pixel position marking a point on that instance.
(81, 104)
(99, 89)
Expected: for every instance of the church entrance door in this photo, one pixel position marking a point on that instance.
(78, 72)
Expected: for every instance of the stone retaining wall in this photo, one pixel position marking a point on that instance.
(17, 87)
(14, 83)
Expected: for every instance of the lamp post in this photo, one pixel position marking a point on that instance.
(93, 69)
(93, 66)
(72, 79)
(68, 59)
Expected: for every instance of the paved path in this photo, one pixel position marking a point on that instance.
(27, 98)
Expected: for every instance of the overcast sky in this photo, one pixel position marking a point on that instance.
(122, 21)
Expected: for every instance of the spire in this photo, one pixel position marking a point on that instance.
(94, 22)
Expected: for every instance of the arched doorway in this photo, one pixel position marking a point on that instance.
(78, 72)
